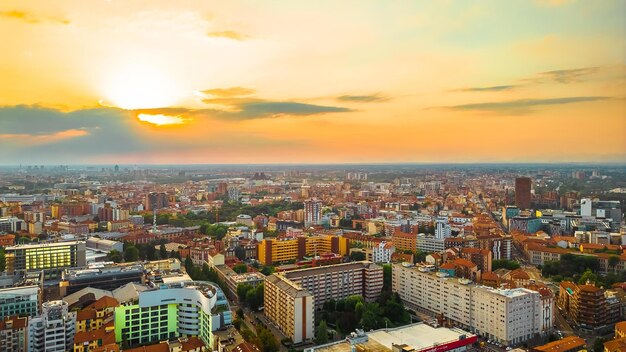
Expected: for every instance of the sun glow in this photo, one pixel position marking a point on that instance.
(140, 87)
(161, 120)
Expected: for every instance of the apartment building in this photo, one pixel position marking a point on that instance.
(404, 241)
(507, 316)
(22, 301)
(53, 330)
(383, 252)
(339, 281)
(283, 250)
(45, 256)
(13, 334)
(290, 307)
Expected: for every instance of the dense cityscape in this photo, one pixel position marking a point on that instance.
(312, 176)
(312, 258)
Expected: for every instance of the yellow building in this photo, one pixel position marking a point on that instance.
(284, 250)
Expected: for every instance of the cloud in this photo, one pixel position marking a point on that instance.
(524, 105)
(228, 35)
(28, 17)
(237, 103)
(40, 134)
(487, 89)
(564, 76)
(371, 98)
(229, 92)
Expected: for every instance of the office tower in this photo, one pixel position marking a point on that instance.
(45, 256)
(290, 307)
(53, 330)
(171, 311)
(522, 192)
(312, 212)
(585, 207)
(156, 200)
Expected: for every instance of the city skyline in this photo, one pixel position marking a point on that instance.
(112, 82)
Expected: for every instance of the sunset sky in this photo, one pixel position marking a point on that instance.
(127, 82)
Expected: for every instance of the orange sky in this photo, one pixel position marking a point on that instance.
(324, 82)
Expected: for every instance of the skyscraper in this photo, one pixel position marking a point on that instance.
(522, 192)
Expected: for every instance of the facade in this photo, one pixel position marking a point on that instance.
(53, 330)
(20, 301)
(45, 256)
(442, 228)
(383, 252)
(156, 200)
(283, 250)
(430, 244)
(312, 212)
(181, 309)
(522, 192)
(339, 281)
(104, 245)
(290, 307)
(13, 334)
(404, 241)
(507, 316)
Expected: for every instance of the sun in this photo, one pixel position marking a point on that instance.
(140, 87)
(161, 120)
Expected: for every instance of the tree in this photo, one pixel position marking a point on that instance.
(267, 341)
(2, 259)
(240, 313)
(240, 268)
(163, 251)
(357, 256)
(240, 253)
(598, 345)
(267, 270)
(175, 254)
(115, 256)
(613, 261)
(151, 252)
(386, 277)
(188, 264)
(588, 275)
(131, 254)
(321, 335)
(506, 264)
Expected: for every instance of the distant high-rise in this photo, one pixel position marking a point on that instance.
(156, 200)
(312, 212)
(522, 192)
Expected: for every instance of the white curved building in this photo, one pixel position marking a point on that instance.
(53, 330)
(166, 312)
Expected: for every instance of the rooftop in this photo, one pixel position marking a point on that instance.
(564, 344)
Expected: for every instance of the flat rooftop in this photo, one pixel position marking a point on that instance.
(418, 336)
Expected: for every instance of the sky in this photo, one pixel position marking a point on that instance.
(177, 82)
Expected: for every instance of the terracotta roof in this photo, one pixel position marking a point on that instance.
(589, 288)
(490, 276)
(104, 302)
(621, 326)
(107, 337)
(246, 347)
(447, 266)
(159, 347)
(85, 314)
(191, 344)
(519, 274)
(113, 347)
(564, 344)
(464, 262)
(616, 345)
(18, 323)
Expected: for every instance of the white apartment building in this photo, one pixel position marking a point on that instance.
(382, 253)
(430, 244)
(508, 316)
(442, 228)
(53, 330)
